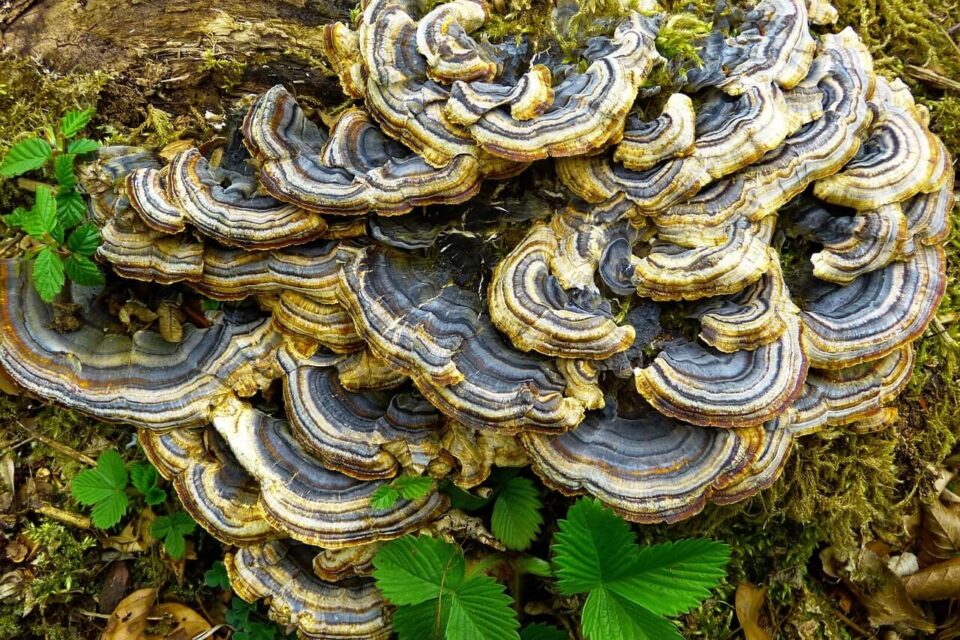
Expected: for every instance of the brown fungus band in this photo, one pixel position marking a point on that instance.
(680, 286)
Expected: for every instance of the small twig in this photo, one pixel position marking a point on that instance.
(853, 625)
(932, 78)
(67, 517)
(941, 331)
(949, 38)
(16, 446)
(59, 446)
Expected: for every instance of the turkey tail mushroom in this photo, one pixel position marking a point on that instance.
(280, 571)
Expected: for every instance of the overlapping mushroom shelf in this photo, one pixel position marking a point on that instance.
(653, 315)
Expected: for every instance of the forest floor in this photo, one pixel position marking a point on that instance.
(821, 541)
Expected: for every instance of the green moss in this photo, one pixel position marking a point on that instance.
(60, 563)
(228, 72)
(10, 622)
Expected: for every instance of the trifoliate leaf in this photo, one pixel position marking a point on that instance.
(70, 208)
(63, 171)
(172, 529)
(426, 578)
(83, 271)
(47, 274)
(673, 577)
(629, 587)
(81, 146)
(103, 488)
(24, 156)
(216, 576)
(607, 616)
(593, 548)
(412, 487)
(14, 219)
(84, 240)
(238, 615)
(411, 570)
(41, 219)
(74, 121)
(540, 631)
(516, 517)
(144, 478)
(384, 497)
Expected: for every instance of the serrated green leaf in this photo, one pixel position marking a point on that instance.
(516, 517)
(155, 496)
(103, 487)
(144, 478)
(411, 570)
(419, 621)
(172, 529)
(541, 631)
(63, 171)
(593, 548)
(41, 219)
(412, 487)
(238, 615)
(14, 219)
(47, 274)
(216, 577)
(70, 208)
(83, 271)
(479, 609)
(74, 121)
(175, 545)
(84, 240)
(384, 497)
(81, 146)
(607, 616)
(673, 577)
(25, 156)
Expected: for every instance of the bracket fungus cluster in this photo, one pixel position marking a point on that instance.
(623, 318)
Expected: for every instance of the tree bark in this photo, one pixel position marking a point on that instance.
(177, 55)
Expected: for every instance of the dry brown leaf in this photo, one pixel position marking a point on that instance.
(938, 582)
(115, 584)
(170, 322)
(129, 620)
(749, 603)
(939, 534)
(135, 312)
(189, 623)
(886, 601)
(135, 536)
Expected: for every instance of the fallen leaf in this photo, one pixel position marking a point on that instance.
(886, 600)
(129, 620)
(170, 322)
(7, 473)
(135, 536)
(16, 552)
(115, 584)
(938, 582)
(189, 623)
(939, 533)
(749, 603)
(134, 312)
